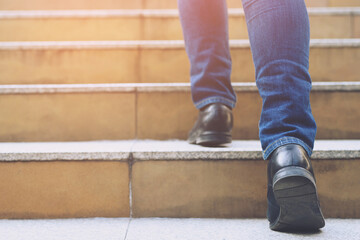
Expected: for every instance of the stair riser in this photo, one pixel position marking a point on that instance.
(152, 65)
(174, 188)
(149, 28)
(67, 117)
(64, 189)
(68, 4)
(231, 189)
(357, 26)
(154, 115)
(70, 29)
(135, 4)
(340, 3)
(336, 114)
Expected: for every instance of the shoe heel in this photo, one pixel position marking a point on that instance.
(295, 192)
(292, 171)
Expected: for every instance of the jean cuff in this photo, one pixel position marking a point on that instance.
(284, 141)
(207, 101)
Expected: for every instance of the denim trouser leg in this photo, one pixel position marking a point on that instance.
(205, 30)
(279, 38)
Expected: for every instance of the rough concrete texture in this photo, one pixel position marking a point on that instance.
(166, 229)
(160, 150)
(50, 151)
(70, 229)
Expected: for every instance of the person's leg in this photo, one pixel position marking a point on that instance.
(205, 30)
(279, 38)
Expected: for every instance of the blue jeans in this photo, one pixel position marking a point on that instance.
(279, 38)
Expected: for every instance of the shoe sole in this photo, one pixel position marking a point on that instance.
(295, 192)
(213, 139)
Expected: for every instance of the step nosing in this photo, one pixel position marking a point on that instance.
(64, 156)
(155, 13)
(153, 44)
(98, 13)
(144, 150)
(153, 87)
(334, 11)
(122, 44)
(66, 88)
(336, 86)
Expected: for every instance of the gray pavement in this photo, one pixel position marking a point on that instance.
(159, 150)
(166, 229)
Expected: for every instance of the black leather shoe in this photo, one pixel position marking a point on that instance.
(293, 203)
(213, 126)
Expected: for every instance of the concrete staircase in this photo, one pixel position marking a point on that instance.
(114, 72)
(147, 178)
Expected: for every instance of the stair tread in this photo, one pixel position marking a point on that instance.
(138, 4)
(110, 13)
(166, 228)
(151, 87)
(154, 44)
(160, 150)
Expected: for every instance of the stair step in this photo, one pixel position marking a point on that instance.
(78, 112)
(69, 4)
(99, 25)
(166, 228)
(161, 179)
(151, 61)
(137, 4)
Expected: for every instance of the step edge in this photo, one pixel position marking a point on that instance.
(75, 45)
(66, 151)
(154, 44)
(85, 13)
(334, 11)
(153, 87)
(155, 13)
(145, 150)
(67, 88)
(80, 156)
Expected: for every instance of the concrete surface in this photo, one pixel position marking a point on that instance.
(167, 229)
(159, 150)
